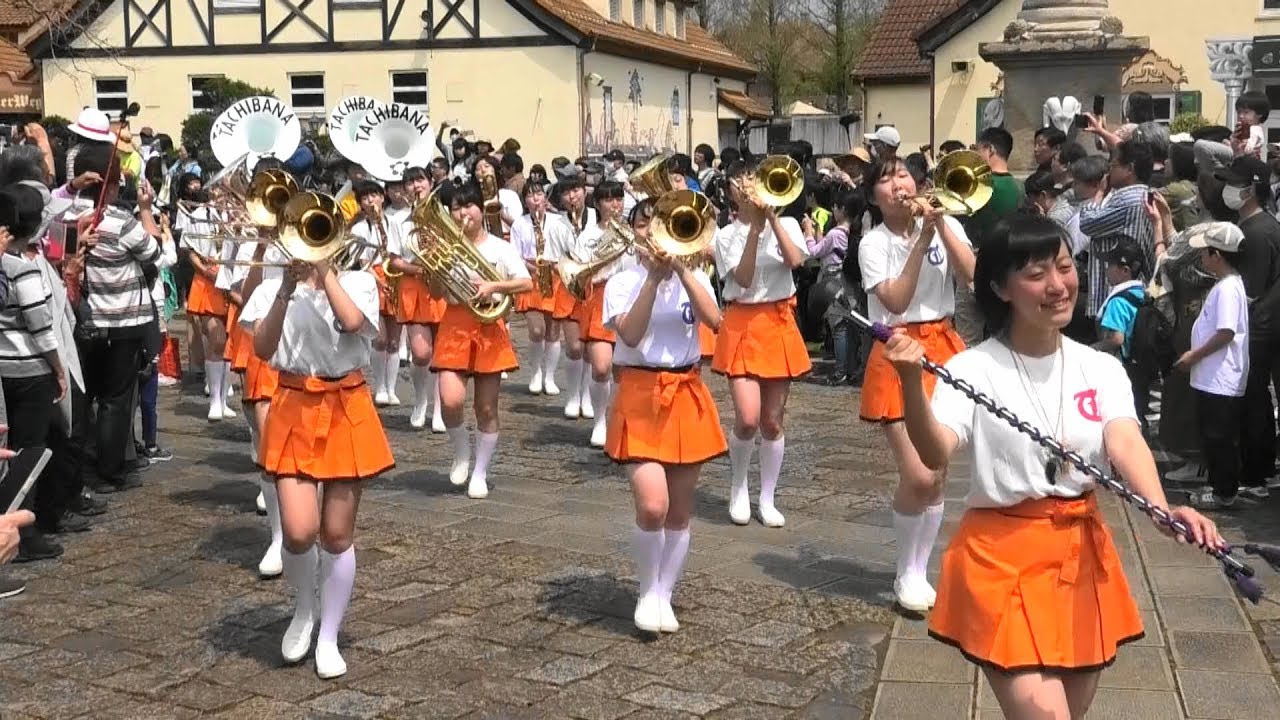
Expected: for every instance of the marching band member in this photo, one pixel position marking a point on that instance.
(758, 346)
(598, 339)
(663, 422)
(399, 206)
(539, 237)
(1032, 588)
(207, 302)
(468, 348)
(569, 197)
(374, 228)
(508, 202)
(316, 327)
(420, 312)
(910, 268)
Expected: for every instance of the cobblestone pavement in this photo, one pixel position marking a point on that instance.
(519, 605)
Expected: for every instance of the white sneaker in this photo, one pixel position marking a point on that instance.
(549, 386)
(418, 418)
(458, 475)
(392, 398)
(770, 516)
(599, 434)
(272, 564)
(667, 617)
(648, 615)
(206, 388)
(914, 594)
(297, 639)
(262, 504)
(477, 489)
(1187, 473)
(573, 408)
(535, 383)
(437, 423)
(329, 662)
(228, 413)
(215, 413)
(380, 399)
(505, 375)
(739, 507)
(587, 409)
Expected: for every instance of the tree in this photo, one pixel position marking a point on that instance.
(222, 94)
(846, 26)
(767, 36)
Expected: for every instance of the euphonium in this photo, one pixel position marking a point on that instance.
(652, 178)
(443, 250)
(544, 268)
(962, 185)
(577, 277)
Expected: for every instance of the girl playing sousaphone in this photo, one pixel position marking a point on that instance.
(541, 237)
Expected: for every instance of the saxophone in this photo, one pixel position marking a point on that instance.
(544, 268)
(393, 276)
(492, 206)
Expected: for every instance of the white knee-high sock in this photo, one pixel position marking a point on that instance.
(378, 369)
(600, 400)
(486, 443)
(392, 375)
(422, 388)
(251, 419)
(739, 461)
(646, 547)
(572, 381)
(460, 441)
(272, 499)
(675, 549)
(338, 577)
(300, 570)
(227, 377)
(584, 384)
(536, 350)
(927, 534)
(551, 359)
(906, 531)
(213, 372)
(771, 452)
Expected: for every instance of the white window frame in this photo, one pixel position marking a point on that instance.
(637, 13)
(680, 21)
(1264, 11)
(1173, 106)
(615, 10)
(322, 108)
(99, 95)
(423, 88)
(660, 17)
(194, 93)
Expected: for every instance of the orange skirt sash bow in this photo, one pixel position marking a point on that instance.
(881, 388)
(663, 415)
(324, 430)
(761, 340)
(1037, 586)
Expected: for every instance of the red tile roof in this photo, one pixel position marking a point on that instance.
(14, 61)
(892, 53)
(24, 13)
(745, 105)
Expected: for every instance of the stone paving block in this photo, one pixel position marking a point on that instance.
(922, 701)
(1203, 614)
(1189, 582)
(911, 628)
(1227, 696)
(1223, 652)
(1139, 668)
(566, 670)
(926, 661)
(1151, 625)
(661, 697)
(771, 634)
(349, 703)
(1126, 704)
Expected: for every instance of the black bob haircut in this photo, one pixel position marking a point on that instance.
(609, 189)
(364, 188)
(1014, 243)
(467, 194)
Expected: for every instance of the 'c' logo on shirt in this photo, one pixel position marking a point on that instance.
(935, 255)
(1087, 404)
(686, 313)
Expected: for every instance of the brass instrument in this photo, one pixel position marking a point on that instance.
(962, 185)
(311, 232)
(241, 210)
(443, 250)
(544, 268)
(492, 206)
(777, 182)
(683, 228)
(392, 276)
(577, 220)
(652, 178)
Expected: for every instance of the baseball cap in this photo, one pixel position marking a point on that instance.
(1244, 171)
(887, 135)
(1222, 236)
(1127, 255)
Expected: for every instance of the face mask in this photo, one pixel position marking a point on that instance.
(1234, 197)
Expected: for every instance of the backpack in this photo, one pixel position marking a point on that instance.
(1151, 346)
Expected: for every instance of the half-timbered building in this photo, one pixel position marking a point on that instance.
(563, 77)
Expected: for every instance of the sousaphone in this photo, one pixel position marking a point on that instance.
(253, 128)
(391, 139)
(345, 117)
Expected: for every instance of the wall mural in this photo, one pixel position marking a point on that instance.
(641, 130)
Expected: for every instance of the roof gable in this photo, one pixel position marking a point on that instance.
(892, 53)
(951, 23)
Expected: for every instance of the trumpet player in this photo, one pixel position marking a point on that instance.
(569, 197)
(758, 346)
(911, 263)
(316, 326)
(207, 302)
(541, 238)
(656, 308)
(374, 229)
(598, 339)
(468, 348)
(419, 311)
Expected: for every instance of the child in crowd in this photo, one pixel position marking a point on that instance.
(1252, 110)
(1218, 362)
(1119, 314)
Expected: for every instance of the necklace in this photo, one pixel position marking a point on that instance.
(1052, 464)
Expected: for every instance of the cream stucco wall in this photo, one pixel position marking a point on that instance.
(1177, 30)
(904, 106)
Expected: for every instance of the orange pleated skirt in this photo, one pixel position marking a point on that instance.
(761, 341)
(590, 316)
(466, 345)
(1035, 587)
(417, 305)
(205, 299)
(566, 305)
(881, 388)
(239, 348)
(260, 380)
(536, 301)
(663, 416)
(706, 341)
(324, 430)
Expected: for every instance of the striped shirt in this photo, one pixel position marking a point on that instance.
(26, 321)
(1120, 217)
(114, 285)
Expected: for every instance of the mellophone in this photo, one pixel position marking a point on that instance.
(1240, 574)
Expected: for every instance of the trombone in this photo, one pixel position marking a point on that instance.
(311, 232)
(444, 252)
(242, 211)
(962, 185)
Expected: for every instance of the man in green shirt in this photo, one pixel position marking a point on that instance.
(995, 145)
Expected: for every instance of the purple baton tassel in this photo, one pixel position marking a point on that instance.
(1238, 572)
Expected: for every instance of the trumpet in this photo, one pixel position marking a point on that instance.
(443, 250)
(962, 186)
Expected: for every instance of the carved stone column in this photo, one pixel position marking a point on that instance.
(1230, 65)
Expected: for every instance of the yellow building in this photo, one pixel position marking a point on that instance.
(946, 86)
(564, 77)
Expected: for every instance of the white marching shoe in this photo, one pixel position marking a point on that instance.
(588, 410)
(272, 563)
(770, 517)
(437, 423)
(228, 413)
(329, 662)
(478, 488)
(297, 639)
(262, 501)
(392, 398)
(535, 383)
(215, 412)
(599, 434)
(380, 399)
(549, 386)
(460, 472)
(418, 418)
(573, 408)
(667, 622)
(648, 616)
(739, 505)
(914, 593)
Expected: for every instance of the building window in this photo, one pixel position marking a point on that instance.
(680, 21)
(199, 101)
(409, 88)
(637, 13)
(660, 17)
(111, 94)
(306, 93)
(1270, 7)
(615, 10)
